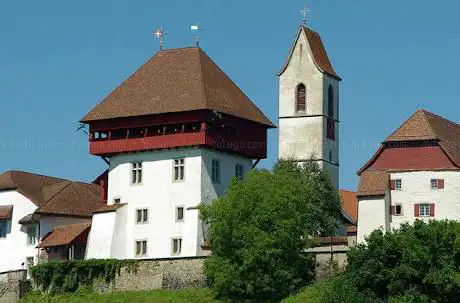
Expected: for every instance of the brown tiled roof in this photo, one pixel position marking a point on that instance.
(54, 195)
(177, 80)
(373, 183)
(318, 50)
(349, 203)
(64, 235)
(332, 240)
(109, 208)
(6, 211)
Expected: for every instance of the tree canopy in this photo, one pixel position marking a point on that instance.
(260, 229)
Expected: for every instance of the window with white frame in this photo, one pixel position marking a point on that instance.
(424, 210)
(32, 234)
(180, 214)
(3, 227)
(136, 173)
(215, 175)
(142, 216)
(239, 171)
(141, 248)
(179, 169)
(398, 184)
(176, 246)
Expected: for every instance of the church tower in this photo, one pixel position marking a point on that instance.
(309, 105)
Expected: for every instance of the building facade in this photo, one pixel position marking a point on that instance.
(309, 105)
(175, 135)
(414, 175)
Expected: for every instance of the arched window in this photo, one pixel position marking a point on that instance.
(330, 102)
(301, 95)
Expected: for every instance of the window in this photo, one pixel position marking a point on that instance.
(116, 200)
(179, 214)
(142, 216)
(396, 210)
(398, 184)
(239, 171)
(424, 210)
(330, 128)
(136, 173)
(301, 98)
(31, 234)
(176, 246)
(179, 169)
(3, 226)
(215, 171)
(330, 156)
(141, 248)
(330, 102)
(437, 184)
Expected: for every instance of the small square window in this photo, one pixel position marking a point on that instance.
(239, 171)
(136, 173)
(424, 210)
(179, 169)
(179, 214)
(398, 184)
(142, 216)
(176, 246)
(141, 248)
(215, 174)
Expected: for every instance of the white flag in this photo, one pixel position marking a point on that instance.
(194, 27)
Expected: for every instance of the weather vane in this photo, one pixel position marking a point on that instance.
(304, 13)
(195, 28)
(159, 34)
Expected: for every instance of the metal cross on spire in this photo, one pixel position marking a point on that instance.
(304, 13)
(159, 34)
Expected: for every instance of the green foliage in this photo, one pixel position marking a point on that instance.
(261, 227)
(154, 296)
(416, 263)
(68, 276)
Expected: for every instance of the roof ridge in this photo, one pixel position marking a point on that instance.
(424, 112)
(178, 49)
(52, 197)
(35, 174)
(440, 117)
(200, 63)
(409, 119)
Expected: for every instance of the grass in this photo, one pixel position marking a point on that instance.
(157, 296)
(310, 294)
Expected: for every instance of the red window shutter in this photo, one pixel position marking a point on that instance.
(392, 209)
(392, 184)
(416, 210)
(440, 183)
(432, 209)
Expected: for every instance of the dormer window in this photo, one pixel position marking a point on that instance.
(301, 95)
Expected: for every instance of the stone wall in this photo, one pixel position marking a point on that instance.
(13, 286)
(171, 273)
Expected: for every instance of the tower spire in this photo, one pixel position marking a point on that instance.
(304, 13)
(159, 34)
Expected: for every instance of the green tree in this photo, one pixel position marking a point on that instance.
(416, 263)
(261, 227)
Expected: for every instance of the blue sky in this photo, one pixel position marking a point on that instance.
(59, 58)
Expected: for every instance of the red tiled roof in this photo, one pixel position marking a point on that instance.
(349, 203)
(6, 211)
(332, 240)
(320, 57)
(53, 195)
(109, 208)
(373, 183)
(64, 235)
(177, 80)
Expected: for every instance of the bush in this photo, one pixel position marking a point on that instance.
(416, 263)
(68, 276)
(260, 229)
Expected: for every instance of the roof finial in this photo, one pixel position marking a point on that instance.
(304, 13)
(196, 28)
(159, 34)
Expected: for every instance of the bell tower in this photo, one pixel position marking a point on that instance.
(309, 105)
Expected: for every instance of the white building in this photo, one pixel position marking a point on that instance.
(31, 207)
(309, 105)
(175, 135)
(415, 175)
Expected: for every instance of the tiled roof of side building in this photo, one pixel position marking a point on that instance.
(54, 195)
(177, 80)
(373, 183)
(349, 203)
(64, 235)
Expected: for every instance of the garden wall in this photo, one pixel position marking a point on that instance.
(13, 286)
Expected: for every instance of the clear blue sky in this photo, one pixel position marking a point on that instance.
(59, 58)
